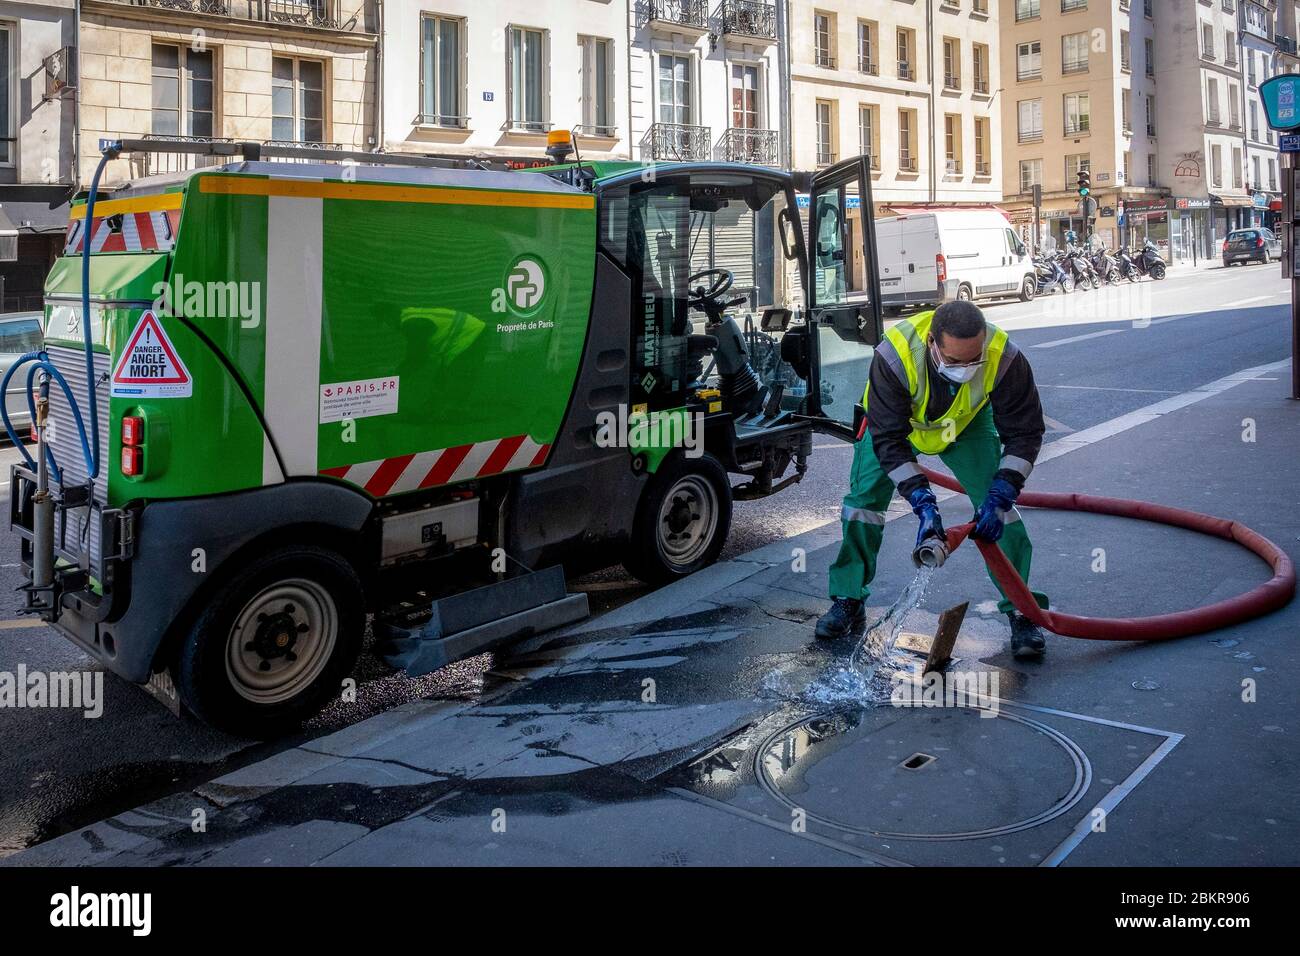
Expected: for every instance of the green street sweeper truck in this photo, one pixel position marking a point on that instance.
(280, 400)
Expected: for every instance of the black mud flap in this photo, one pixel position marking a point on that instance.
(474, 621)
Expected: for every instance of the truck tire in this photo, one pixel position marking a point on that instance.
(1028, 289)
(274, 643)
(681, 521)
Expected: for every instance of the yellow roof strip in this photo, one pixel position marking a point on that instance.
(111, 207)
(441, 195)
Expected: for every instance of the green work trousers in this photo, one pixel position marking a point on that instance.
(973, 458)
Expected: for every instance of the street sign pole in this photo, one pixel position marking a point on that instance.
(1291, 264)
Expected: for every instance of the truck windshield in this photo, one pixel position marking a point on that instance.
(665, 233)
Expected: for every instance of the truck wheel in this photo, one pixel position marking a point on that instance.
(274, 643)
(682, 520)
(964, 293)
(1028, 289)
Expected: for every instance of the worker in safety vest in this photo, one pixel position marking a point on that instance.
(943, 383)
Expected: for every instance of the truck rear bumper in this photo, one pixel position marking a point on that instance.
(180, 546)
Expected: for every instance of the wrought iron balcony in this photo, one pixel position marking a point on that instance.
(339, 15)
(749, 18)
(905, 71)
(677, 141)
(693, 14)
(868, 66)
(755, 146)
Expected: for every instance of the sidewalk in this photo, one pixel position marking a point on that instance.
(669, 732)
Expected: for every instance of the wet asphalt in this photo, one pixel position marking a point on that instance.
(1093, 362)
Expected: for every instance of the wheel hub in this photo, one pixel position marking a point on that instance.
(276, 635)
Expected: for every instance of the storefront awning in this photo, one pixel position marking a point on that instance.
(37, 217)
(898, 210)
(1233, 200)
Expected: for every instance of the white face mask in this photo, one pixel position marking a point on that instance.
(959, 374)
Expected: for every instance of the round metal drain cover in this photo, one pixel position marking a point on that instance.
(863, 772)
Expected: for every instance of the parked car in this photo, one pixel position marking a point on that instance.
(934, 257)
(1251, 245)
(20, 333)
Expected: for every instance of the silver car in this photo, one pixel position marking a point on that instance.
(20, 333)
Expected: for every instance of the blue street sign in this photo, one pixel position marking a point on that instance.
(1281, 98)
(1289, 143)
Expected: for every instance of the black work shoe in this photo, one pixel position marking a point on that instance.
(1027, 641)
(845, 616)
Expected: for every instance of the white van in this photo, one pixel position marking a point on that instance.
(932, 257)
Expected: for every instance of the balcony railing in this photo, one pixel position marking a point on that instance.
(1030, 136)
(981, 84)
(1077, 128)
(951, 81)
(906, 163)
(442, 119)
(868, 66)
(682, 13)
(983, 169)
(677, 141)
(755, 146)
(825, 157)
(1031, 73)
(825, 60)
(749, 18)
(905, 71)
(322, 14)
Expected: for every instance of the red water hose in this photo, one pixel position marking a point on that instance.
(1273, 594)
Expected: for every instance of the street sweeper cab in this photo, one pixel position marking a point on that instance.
(277, 397)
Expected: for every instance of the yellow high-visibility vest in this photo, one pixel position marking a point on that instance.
(909, 340)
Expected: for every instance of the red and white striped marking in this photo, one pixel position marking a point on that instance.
(141, 232)
(446, 466)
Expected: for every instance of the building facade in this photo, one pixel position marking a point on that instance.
(913, 85)
(280, 71)
(1079, 94)
(466, 78)
(37, 173)
(704, 83)
(1201, 153)
(1257, 28)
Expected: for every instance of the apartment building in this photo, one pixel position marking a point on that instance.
(912, 83)
(37, 73)
(467, 78)
(1079, 80)
(1201, 154)
(1257, 29)
(282, 71)
(704, 83)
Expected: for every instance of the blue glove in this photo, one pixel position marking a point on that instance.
(925, 507)
(989, 519)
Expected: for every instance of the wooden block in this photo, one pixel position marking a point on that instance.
(945, 638)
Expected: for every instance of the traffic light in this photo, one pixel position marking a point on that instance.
(1085, 183)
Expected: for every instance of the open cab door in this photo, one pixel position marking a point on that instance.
(843, 293)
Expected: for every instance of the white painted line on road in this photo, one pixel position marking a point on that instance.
(1104, 388)
(16, 623)
(1076, 338)
(1141, 416)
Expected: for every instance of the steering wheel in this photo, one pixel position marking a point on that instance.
(722, 281)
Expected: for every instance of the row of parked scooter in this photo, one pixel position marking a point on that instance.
(1074, 268)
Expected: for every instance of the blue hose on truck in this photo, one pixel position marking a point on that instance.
(89, 448)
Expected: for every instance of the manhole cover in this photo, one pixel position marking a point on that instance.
(866, 772)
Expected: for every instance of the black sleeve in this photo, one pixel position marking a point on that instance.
(1018, 417)
(889, 423)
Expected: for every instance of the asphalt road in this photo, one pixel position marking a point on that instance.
(1096, 355)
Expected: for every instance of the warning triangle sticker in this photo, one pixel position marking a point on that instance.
(150, 366)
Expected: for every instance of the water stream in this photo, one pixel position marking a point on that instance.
(860, 680)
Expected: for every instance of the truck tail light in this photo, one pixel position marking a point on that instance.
(132, 460)
(132, 430)
(941, 267)
(132, 440)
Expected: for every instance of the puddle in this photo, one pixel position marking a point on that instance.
(866, 678)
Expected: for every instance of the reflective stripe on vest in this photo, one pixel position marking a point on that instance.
(909, 340)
